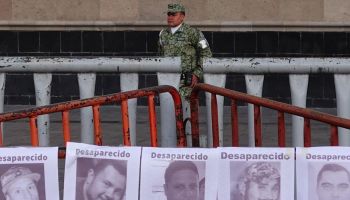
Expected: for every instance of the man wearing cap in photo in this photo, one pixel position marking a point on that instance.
(180, 39)
(20, 183)
(260, 180)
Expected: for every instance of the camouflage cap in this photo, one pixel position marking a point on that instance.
(16, 173)
(176, 7)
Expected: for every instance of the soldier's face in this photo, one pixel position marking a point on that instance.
(175, 19)
(334, 185)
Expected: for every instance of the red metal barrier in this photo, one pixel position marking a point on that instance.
(281, 108)
(95, 102)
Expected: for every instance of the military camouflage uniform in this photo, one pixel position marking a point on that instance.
(190, 44)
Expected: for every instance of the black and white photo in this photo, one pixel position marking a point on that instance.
(178, 174)
(323, 173)
(101, 172)
(22, 181)
(256, 173)
(255, 180)
(100, 179)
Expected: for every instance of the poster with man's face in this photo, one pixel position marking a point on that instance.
(29, 173)
(178, 174)
(100, 172)
(256, 173)
(323, 173)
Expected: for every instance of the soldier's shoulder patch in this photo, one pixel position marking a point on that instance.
(203, 43)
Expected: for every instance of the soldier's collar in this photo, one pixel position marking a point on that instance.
(178, 30)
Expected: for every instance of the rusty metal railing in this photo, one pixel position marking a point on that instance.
(281, 108)
(95, 103)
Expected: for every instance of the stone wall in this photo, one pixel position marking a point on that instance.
(213, 15)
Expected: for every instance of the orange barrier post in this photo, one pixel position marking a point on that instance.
(97, 126)
(281, 130)
(152, 120)
(334, 136)
(257, 126)
(34, 132)
(126, 128)
(214, 120)
(234, 119)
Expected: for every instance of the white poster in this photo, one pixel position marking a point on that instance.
(323, 173)
(178, 174)
(29, 173)
(101, 172)
(256, 173)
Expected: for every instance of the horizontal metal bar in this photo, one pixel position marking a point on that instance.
(172, 65)
(277, 65)
(99, 100)
(90, 64)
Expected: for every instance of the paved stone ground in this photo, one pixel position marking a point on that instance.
(16, 133)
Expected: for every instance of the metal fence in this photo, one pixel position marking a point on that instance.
(168, 73)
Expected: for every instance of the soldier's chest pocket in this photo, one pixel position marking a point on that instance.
(182, 41)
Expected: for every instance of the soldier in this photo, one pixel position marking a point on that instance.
(180, 39)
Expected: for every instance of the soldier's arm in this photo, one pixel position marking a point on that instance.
(203, 51)
(160, 47)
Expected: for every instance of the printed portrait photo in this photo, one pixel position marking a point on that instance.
(329, 181)
(255, 180)
(22, 181)
(177, 180)
(101, 179)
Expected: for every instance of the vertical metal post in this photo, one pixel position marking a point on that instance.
(152, 121)
(343, 105)
(281, 129)
(234, 123)
(167, 113)
(218, 80)
(254, 84)
(334, 141)
(87, 90)
(214, 122)
(66, 127)
(257, 126)
(97, 124)
(130, 81)
(298, 87)
(307, 133)
(42, 83)
(33, 131)
(2, 94)
(125, 121)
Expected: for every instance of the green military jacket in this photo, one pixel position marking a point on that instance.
(187, 42)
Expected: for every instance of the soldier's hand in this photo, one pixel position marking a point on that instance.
(195, 80)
